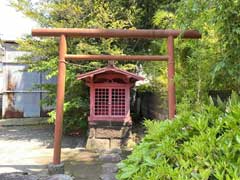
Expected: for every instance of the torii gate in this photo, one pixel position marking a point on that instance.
(63, 33)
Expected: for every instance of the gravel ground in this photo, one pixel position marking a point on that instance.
(30, 148)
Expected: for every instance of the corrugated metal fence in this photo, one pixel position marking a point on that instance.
(19, 97)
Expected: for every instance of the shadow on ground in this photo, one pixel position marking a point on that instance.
(30, 149)
(79, 164)
(42, 133)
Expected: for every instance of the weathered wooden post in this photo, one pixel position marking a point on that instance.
(171, 72)
(57, 167)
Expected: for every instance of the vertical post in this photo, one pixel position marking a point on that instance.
(171, 86)
(60, 100)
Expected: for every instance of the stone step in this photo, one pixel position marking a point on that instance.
(108, 176)
(59, 177)
(113, 157)
(109, 168)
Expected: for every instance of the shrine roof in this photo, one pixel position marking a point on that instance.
(109, 69)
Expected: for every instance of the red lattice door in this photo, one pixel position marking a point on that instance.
(101, 107)
(118, 102)
(110, 102)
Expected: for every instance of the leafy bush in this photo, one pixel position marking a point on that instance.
(75, 115)
(202, 144)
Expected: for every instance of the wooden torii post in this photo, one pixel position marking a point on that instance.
(63, 33)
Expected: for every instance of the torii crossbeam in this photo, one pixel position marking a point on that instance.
(63, 33)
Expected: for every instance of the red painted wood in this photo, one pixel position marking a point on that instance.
(87, 57)
(110, 102)
(92, 98)
(60, 100)
(116, 33)
(111, 85)
(109, 70)
(171, 85)
(128, 102)
(118, 103)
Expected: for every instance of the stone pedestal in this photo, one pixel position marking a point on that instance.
(55, 169)
(107, 135)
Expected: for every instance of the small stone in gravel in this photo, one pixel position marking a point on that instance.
(82, 176)
(109, 168)
(109, 176)
(110, 158)
(60, 177)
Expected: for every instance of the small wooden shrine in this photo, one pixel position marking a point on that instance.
(109, 103)
(109, 93)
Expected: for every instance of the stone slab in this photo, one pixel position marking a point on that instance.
(113, 150)
(23, 121)
(91, 132)
(97, 144)
(102, 137)
(59, 177)
(116, 143)
(112, 132)
(110, 158)
(110, 176)
(109, 123)
(17, 176)
(109, 168)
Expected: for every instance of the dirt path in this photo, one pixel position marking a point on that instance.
(29, 149)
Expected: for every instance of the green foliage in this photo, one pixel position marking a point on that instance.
(76, 112)
(164, 18)
(217, 20)
(210, 63)
(200, 144)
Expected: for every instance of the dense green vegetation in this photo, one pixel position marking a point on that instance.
(212, 63)
(202, 144)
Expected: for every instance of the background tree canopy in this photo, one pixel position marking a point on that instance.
(212, 63)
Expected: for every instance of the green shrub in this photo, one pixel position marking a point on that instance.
(202, 144)
(75, 116)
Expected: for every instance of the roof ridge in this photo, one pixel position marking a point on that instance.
(107, 68)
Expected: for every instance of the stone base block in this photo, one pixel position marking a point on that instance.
(116, 143)
(107, 132)
(99, 144)
(56, 169)
(102, 136)
(103, 132)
